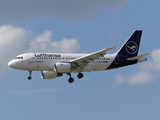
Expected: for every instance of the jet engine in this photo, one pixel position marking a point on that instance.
(50, 74)
(63, 67)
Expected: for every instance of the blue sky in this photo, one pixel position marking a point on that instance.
(79, 26)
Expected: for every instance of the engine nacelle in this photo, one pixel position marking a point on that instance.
(63, 67)
(50, 74)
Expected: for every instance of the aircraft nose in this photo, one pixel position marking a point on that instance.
(15, 64)
(12, 64)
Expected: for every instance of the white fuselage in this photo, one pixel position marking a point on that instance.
(46, 61)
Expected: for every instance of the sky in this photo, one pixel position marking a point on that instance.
(85, 26)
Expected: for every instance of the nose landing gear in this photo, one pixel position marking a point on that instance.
(30, 77)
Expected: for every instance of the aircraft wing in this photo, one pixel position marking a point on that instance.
(138, 57)
(84, 60)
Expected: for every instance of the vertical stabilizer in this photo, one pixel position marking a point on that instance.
(131, 46)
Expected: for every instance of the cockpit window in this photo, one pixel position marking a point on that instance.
(19, 58)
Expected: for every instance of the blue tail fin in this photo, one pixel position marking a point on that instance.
(131, 46)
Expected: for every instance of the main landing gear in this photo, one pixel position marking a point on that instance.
(30, 77)
(80, 75)
(71, 80)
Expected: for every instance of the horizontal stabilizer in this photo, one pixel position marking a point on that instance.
(138, 57)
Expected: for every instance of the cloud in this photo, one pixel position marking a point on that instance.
(119, 79)
(13, 40)
(43, 43)
(16, 40)
(69, 9)
(141, 77)
(153, 64)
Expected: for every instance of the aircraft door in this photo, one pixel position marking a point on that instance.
(116, 60)
(31, 58)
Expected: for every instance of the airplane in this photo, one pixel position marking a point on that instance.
(53, 65)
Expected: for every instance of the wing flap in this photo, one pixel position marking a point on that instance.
(138, 57)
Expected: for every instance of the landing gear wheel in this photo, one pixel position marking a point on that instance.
(70, 80)
(80, 75)
(29, 77)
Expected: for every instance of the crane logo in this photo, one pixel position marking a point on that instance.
(131, 47)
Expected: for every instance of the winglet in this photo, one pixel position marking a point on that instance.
(107, 49)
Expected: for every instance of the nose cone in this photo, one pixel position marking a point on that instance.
(14, 64)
